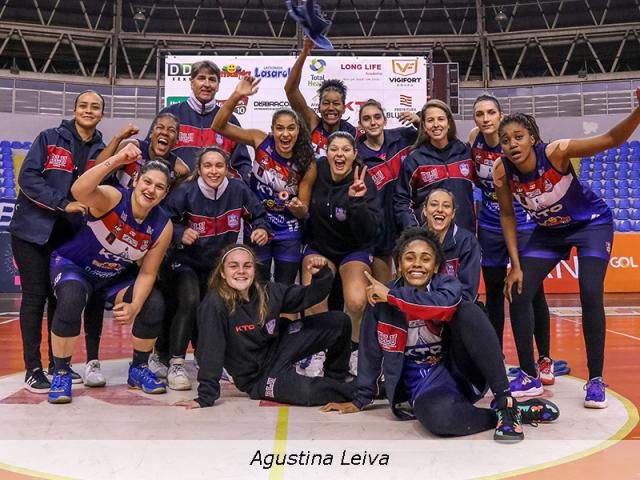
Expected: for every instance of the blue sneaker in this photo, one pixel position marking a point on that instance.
(596, 393)
(60, 391)
(525, 386)
(143, 378)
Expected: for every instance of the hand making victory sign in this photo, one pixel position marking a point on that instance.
(358, 188)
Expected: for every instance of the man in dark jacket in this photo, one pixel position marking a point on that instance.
(196, 115)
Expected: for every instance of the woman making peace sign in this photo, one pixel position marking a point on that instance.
(344, 217)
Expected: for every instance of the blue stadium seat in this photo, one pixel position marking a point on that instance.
(610, 175)
(624, 203)
(634, 214)
(609, 184)
(624, 226)
(8, 173)
(608, 193)
(5, 144)
(611, 202)
(635, 192)
(634, 174)
(635, 203)
(596, 184)
(17, 145)
(8, 183)
(27, 145)
(623, 193)
(593, 176)
(598, 167)
(10, 192)
(624, 183)
(635, 184)
(598, 193)
(7, 163)
(636, 227)
(609, 167)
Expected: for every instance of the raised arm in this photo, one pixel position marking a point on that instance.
(221, 124)
(509, 223)
(117, 143)
(560, 152)
(297, 297)
(292, 88)
(102, 198)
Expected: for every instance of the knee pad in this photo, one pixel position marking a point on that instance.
(148, 323)
(71, 299)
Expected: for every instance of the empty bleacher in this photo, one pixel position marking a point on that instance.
(614, 175)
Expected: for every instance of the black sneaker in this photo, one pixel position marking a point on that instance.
(36, 381)
(538, 410)
(509, 427)
(75, 377)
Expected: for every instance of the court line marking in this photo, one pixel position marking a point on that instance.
(4, 322)
(632, 421)
(280, 442)
(32, 473)
(608, 330)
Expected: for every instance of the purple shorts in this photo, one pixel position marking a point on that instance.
(357, 256)
(555, 243)
(63, 270)
(494, 247)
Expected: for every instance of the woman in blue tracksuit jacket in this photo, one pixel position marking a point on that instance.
(432, 353)
(438, 159)
(462, 251)
(206, 211)
(46, 215)
(383, 150)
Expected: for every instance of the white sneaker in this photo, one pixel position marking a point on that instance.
(93, 376)
(158, 368)
(226, 377)
(315, 365)
(353, 363)
(177, 376)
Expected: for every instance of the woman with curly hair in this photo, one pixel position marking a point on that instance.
(279, 174)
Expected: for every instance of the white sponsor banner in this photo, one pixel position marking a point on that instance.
(399, 83)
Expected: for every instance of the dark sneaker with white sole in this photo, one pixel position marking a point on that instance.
(36, 381)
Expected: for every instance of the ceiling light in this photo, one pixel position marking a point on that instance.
(501, 17)
(140, 16)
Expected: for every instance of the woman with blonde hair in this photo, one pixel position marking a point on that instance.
(241, 328)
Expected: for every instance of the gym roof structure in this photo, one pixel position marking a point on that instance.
(516, 42)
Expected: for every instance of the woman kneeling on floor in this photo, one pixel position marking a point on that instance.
(241, 328)
(411, 334)
(115, 256)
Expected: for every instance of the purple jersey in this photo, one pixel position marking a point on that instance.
(554, 199)
(484, 157)
(106, 247)
(126, 175)
(274, 180)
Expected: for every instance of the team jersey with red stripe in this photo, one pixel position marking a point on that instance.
(484, 157)
(320, 136)
(106, 247)
(128, 173)
(383, 167)
(274, 180)
(554, 199)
